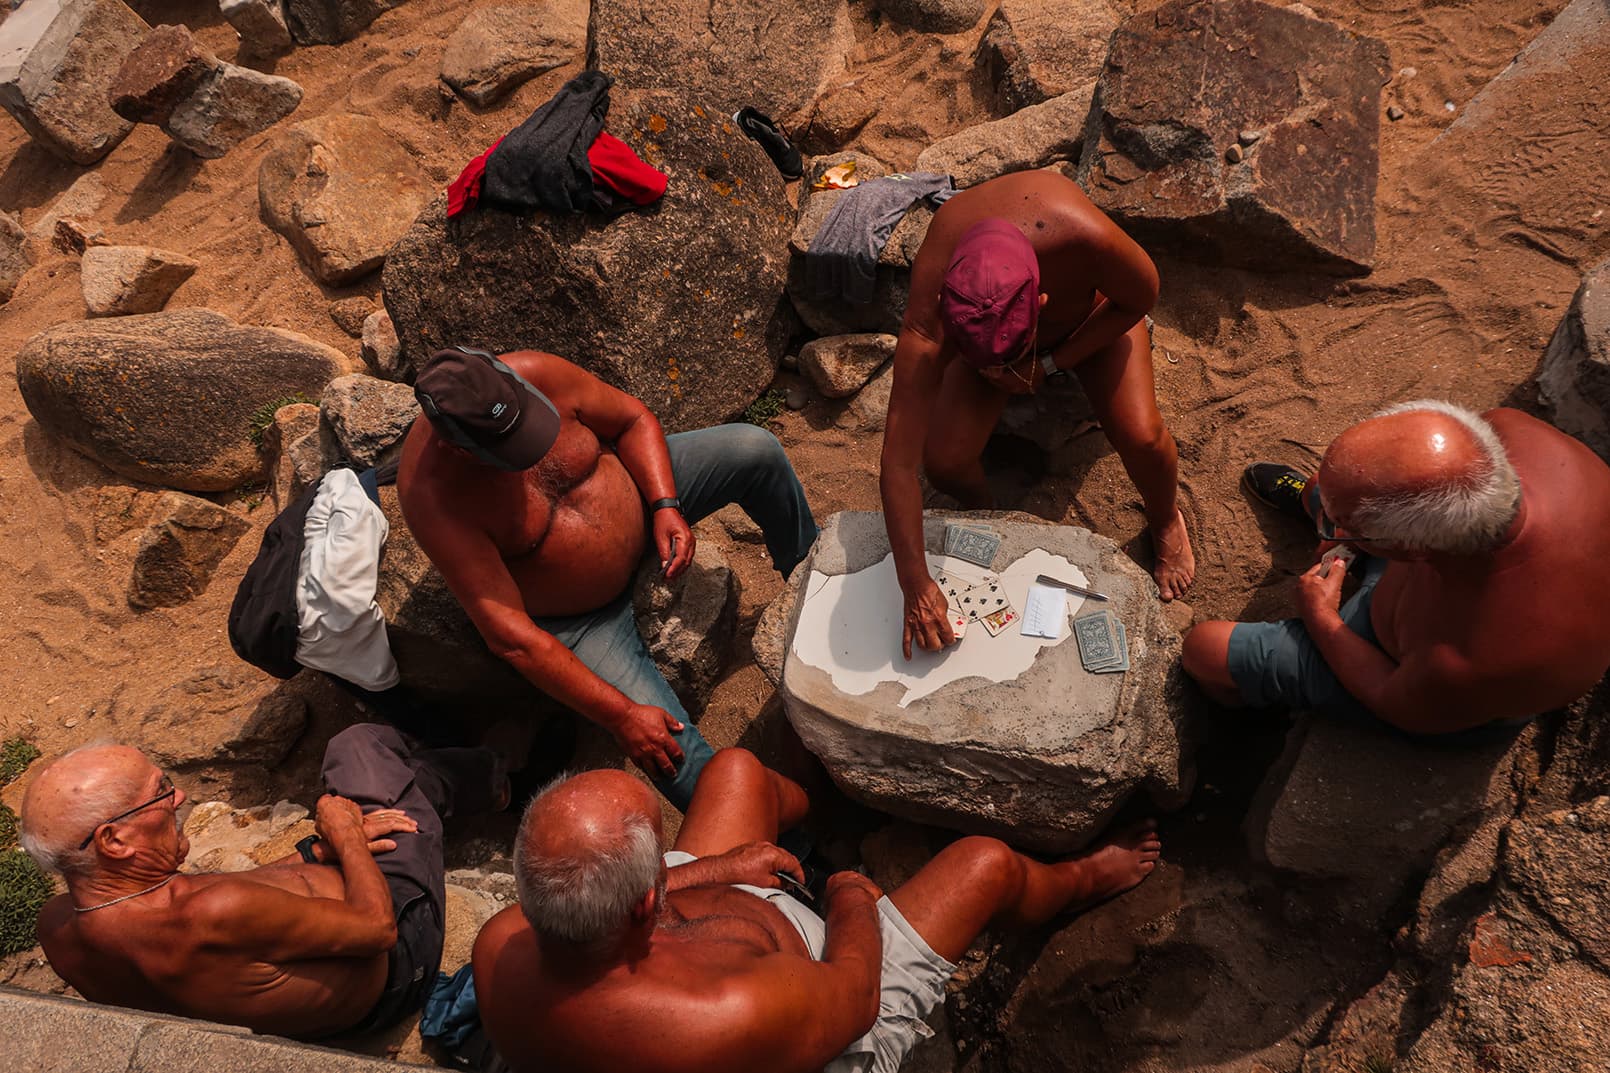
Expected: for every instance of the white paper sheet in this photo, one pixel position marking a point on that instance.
(850, 628)
(1045, 611)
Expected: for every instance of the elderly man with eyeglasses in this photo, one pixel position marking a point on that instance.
(343, 936)
(1484, 595)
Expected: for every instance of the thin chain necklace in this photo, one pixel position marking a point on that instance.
(126, 897)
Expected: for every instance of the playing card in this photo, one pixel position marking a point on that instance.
(1120, 663)
(953, 585)
(997, 621)
(974, 545)
(1098, 641)
(958, 622)
(985, 598)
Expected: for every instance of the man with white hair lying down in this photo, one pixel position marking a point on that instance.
(1485, 589)
(342, 936)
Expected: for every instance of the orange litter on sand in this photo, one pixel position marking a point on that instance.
(838, 177)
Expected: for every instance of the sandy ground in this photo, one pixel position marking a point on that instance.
(1484, 232)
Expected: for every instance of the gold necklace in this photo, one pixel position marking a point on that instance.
(126, 897)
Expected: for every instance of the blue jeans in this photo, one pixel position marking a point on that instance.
(712, 467)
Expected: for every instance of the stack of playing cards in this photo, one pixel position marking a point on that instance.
(1103, 645)
(976, 599)
(975, 543)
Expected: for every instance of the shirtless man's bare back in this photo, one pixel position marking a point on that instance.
(540, 550)
(963, 352)
(294, 948)
(668, 967)
(1486, 595)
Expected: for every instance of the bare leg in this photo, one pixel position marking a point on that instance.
(1118, 381)
(965, 415)
(978, 880)
(1206, 658)
(738, 800)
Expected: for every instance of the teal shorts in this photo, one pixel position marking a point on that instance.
(1277, 663)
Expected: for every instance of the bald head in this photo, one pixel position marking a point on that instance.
(587, 852)
(1425, 476)
(73, 795)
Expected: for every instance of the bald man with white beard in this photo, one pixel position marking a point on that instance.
(1485, 593)
(342, 936)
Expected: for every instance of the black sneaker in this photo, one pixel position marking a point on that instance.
(762, 130)
(1279, 486)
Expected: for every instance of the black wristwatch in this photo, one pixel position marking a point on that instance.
(669, 501)
(305, 848)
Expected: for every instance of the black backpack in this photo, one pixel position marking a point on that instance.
(263, 623)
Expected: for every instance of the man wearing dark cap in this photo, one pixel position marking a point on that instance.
(535, 487)
(1019, 279)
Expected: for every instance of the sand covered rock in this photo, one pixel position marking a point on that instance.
(329, 22)
(350, 313)
(187, 539)
(228, 713)
(1575, 375)
(299, 451)
(119, 280)
(368, 417)
(679, 306)
(57, 61)
(1179, 85)
(1364, 805)
(776, 55)
(79, 202)
(381, 350)
(688, 624)
(1034, 137)
(16, 256)
(1035, 50)
(167, 398)
(832, 315)
(341, 191)
(934, 16)
(260, 24)
(206, 105)
(1042, 760)
(840, 365)
(496, 49)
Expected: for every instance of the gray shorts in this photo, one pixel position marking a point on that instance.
(913, 980)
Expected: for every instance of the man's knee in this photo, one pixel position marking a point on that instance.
(1206, 657)
(735, 770)
(1139, 434)
(988, 864)
(945, 466)
(752, 447)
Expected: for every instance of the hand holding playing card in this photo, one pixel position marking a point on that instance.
(927, 619)
(1319, 592)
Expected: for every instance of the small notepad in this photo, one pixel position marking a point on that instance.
(1045, 610)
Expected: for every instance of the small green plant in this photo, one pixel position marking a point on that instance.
(15, 756)
(764, 410)
(1376, 1064)
(263, 416)
(24, 890)
(8, 829)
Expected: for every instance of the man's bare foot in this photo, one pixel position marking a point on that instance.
(1116, 865)
(1176, 563)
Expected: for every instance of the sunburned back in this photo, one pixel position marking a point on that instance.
(1055, 216)
(1529, 629)
(694, 968)
(148, 954)
(570, 529)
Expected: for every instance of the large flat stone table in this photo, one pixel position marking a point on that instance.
(1007, 735)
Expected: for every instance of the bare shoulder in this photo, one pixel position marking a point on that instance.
(54, 920)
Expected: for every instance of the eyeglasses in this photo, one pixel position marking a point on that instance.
(1326, 526)
(168, 790)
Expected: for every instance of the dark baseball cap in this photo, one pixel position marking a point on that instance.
(480, 404)
(990, 299)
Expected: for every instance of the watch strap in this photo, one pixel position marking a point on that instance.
(305, 848)
(1048, 362)
(660, 504)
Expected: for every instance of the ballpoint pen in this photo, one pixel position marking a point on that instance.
(1071, 587)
